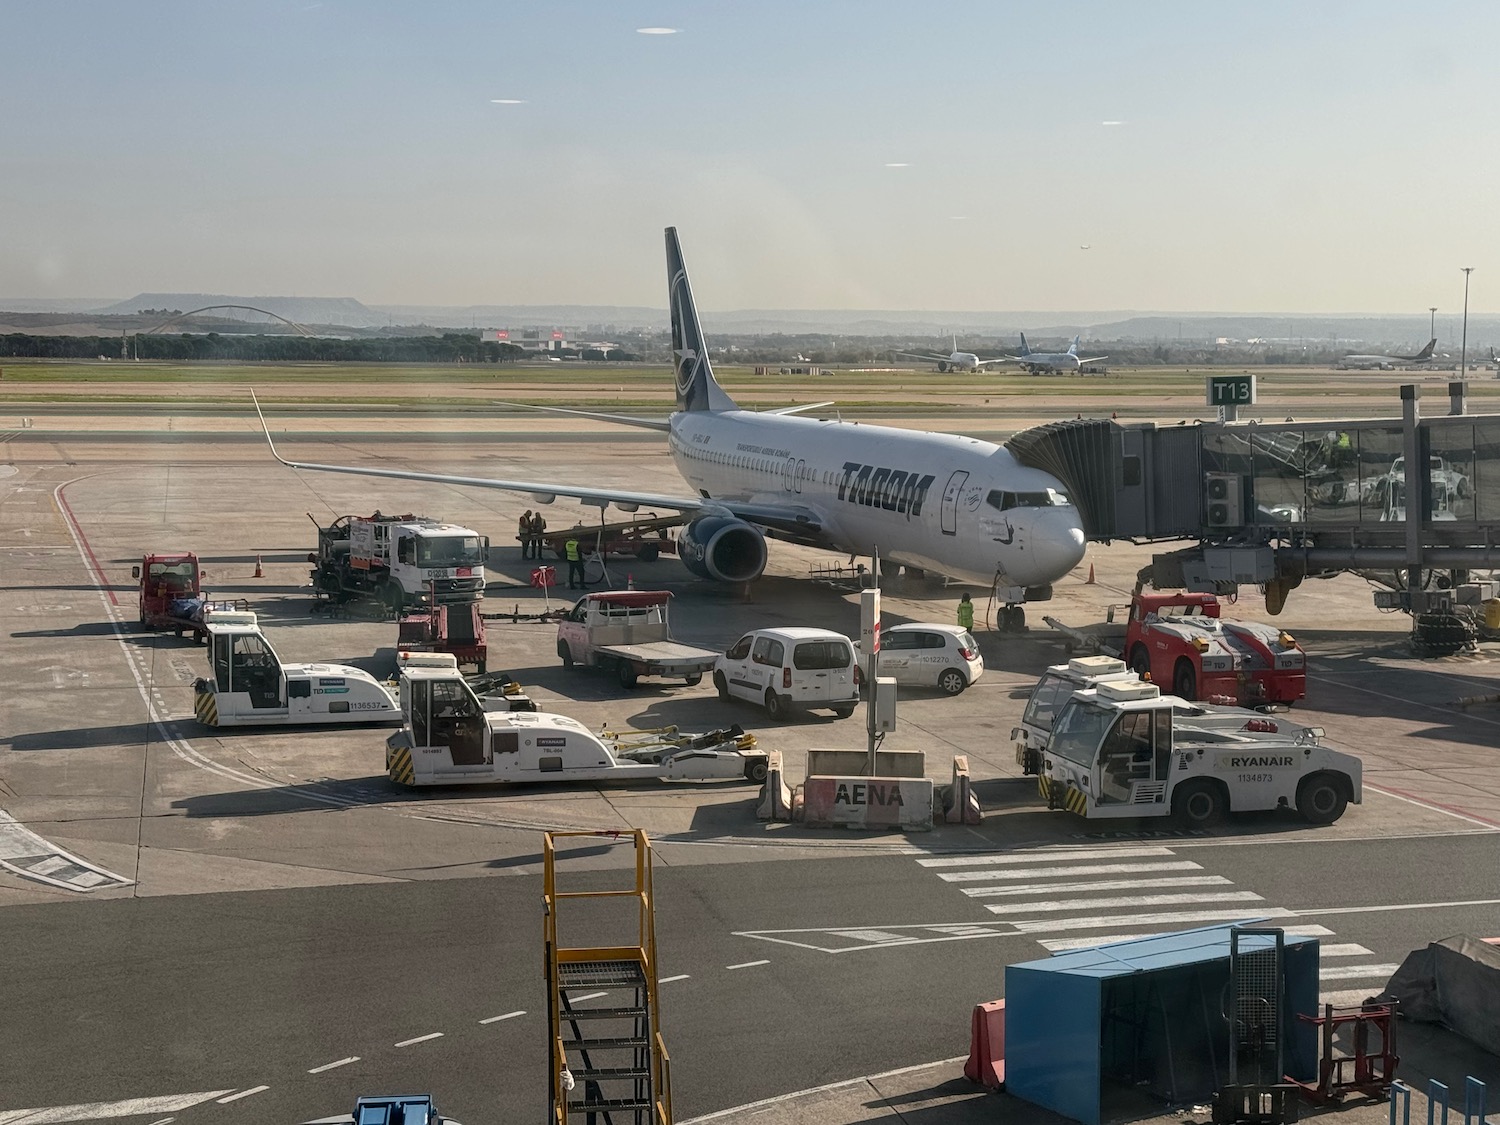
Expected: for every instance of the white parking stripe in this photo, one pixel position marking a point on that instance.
(669, 980)
(1062, 945)
(1357, 972)
(1106, 885)
(1348, 949)
(420, 1039)
(1046, 872)
(96, 1111)
(334, 1065)
(1024, 908)
(1047, 856)
(747, 964)
(507, 1016)
(587, 996)
(1063, 925)
(243, 1094)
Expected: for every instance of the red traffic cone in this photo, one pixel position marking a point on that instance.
(630, 582)
(259, 571)
(1090, 580)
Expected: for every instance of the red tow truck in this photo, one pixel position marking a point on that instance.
(171, 595)
(166, 580)
(1180, 639)
(456, 629)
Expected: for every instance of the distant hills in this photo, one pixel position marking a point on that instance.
(970, 327)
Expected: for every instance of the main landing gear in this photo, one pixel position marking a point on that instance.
(1011, 619)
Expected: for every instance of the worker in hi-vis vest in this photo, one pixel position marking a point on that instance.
(574, 554)
(965, 613)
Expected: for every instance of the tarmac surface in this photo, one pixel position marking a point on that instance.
(259, 916)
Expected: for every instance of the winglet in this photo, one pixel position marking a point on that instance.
(267, 430)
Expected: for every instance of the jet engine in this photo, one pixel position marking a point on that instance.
(722, 548)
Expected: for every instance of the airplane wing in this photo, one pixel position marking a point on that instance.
(922, 355)
(1002, 359)
(795, 519)
(1091, 358)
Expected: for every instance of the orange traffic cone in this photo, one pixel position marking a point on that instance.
(1090, 580)
(259, 571)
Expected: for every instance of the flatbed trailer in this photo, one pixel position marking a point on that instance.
(641, 539)
(626, 632)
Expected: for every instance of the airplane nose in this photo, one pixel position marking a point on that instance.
(1058, 545)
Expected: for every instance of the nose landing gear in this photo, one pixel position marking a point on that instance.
(1011, 619)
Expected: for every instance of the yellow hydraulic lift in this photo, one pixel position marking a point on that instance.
(608, 1059)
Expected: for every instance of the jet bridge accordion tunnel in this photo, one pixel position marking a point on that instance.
(1289, 499)
(1116, 1032)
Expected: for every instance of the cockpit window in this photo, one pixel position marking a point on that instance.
(1005, 501)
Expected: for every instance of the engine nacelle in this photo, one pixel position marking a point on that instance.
(722, 548)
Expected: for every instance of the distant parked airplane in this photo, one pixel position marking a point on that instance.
(1386, 362)
(955, 360)
(1038, 363)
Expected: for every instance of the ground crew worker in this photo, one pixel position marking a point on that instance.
(965, 613)
(538, 526)
(574, 554)
(525, 534)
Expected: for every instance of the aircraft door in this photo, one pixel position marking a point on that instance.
(788, 474)
(951, 492)
(799, 475)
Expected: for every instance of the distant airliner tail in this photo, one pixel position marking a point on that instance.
(1073, 347)
(697, 389)
(1426, 353)
(1024, 349)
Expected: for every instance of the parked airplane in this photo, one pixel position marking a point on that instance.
(1038, 362)
(953, 505)
(1385, 362)
(955, 360)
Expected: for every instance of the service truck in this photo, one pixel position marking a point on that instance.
(398, 560)
(1180, 639)
(452, 736)
(249, 685)
(626, 632)
(171, 595)
(1126, 750)
(455, 629)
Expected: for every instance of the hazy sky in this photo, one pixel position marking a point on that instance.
(1304, 157)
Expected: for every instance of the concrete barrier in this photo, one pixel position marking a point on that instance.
(986, 1063)
(960, 805)
(867, 802)
(852, 763)
(775, 796)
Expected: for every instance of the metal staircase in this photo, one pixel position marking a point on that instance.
(608, 1059)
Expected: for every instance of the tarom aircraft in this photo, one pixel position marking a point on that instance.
(1040, 362)
(955, 360)
(941, 502)
(1386, 362)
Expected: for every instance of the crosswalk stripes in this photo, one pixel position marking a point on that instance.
(1073, 898)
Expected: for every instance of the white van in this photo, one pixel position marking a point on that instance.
(787, 670)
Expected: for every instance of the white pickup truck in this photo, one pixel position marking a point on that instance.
(626, 632)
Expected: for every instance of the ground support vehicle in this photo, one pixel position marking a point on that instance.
(645, 539)
(1052, 692)
(453, 736)
(626, 632)
(248, 685)
(1181, 641)
(398, 560)
(789, 670)
(171, 595)
(1126, 750)
(456, 629)
(929, 655)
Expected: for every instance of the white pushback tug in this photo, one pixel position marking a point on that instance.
(1122, 749)
(249, 685)
(452, 736)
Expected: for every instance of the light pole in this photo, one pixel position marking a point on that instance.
(1463, 352)
(1432, 322)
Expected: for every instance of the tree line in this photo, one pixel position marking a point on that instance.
(450, 347)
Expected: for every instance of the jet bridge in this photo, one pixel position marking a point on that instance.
(1272, 503)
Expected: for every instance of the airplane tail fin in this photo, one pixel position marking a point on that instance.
(955, 342)
(1425, 353)
(1025, 350)
(1073, 347)
(697, 389)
